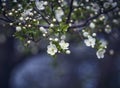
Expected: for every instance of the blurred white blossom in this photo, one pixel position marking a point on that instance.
(58, 14)
(18, 28)
(26, 12)
(68, 51)
(42, 29)
(64, 45)
(100, 53)
(40, 4)
(52, 49)
(106, 4)
(92, 25)
(103, 43)
(75, 3)
(108, 29)
(85, 34)
(90, 41)
(95, 7)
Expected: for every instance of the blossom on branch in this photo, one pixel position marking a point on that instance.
(100, 53)
(90, 41)
(52, 49)
(64, 45)
(59, 20)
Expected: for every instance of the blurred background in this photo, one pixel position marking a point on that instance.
(21, 68)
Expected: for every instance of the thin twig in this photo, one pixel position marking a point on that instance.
(86, 21)
(70, 11)
(5, 20)
(52, 8)
(42, 15)
(59, 4)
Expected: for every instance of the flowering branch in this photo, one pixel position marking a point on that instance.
(41, 15)
(70, 11)
(92, 18)
(51, 19)
(84, 23)
(7, 19)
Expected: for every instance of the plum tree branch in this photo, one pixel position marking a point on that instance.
(82, 24)
(5, 18)
(42, 15)
(91, 18)
(70, 11)
(79, 25)
(1, 18)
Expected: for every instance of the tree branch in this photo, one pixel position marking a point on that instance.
(71, 9)
(5, 20)
(9, 20)
(80, 25)
(41, 15)
(91, 18)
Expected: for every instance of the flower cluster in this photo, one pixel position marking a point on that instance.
(57, 47)
(91, 41)
(53, 20)
(101, 49)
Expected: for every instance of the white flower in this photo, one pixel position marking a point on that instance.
(54, 20)
(21, 18)
(103, 43)
(100, 53)
(68, 51)
(40, 4)
(75, 3)
(63, 37)
(114, 4)
(94, 34)
(63, 3)
(56, 39)
(92, 25)
(90, 41)
(102, 17)
(106, 4)
(42, 29)
(18, 28)
(26, 12)
(58, 14)
(51, 25)
(52, 49)
(44, 35)
(85, 34)
(95, 7)
(45, 3)
(28, 41)
(10, 13)
(108, 29)
(64, 45)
